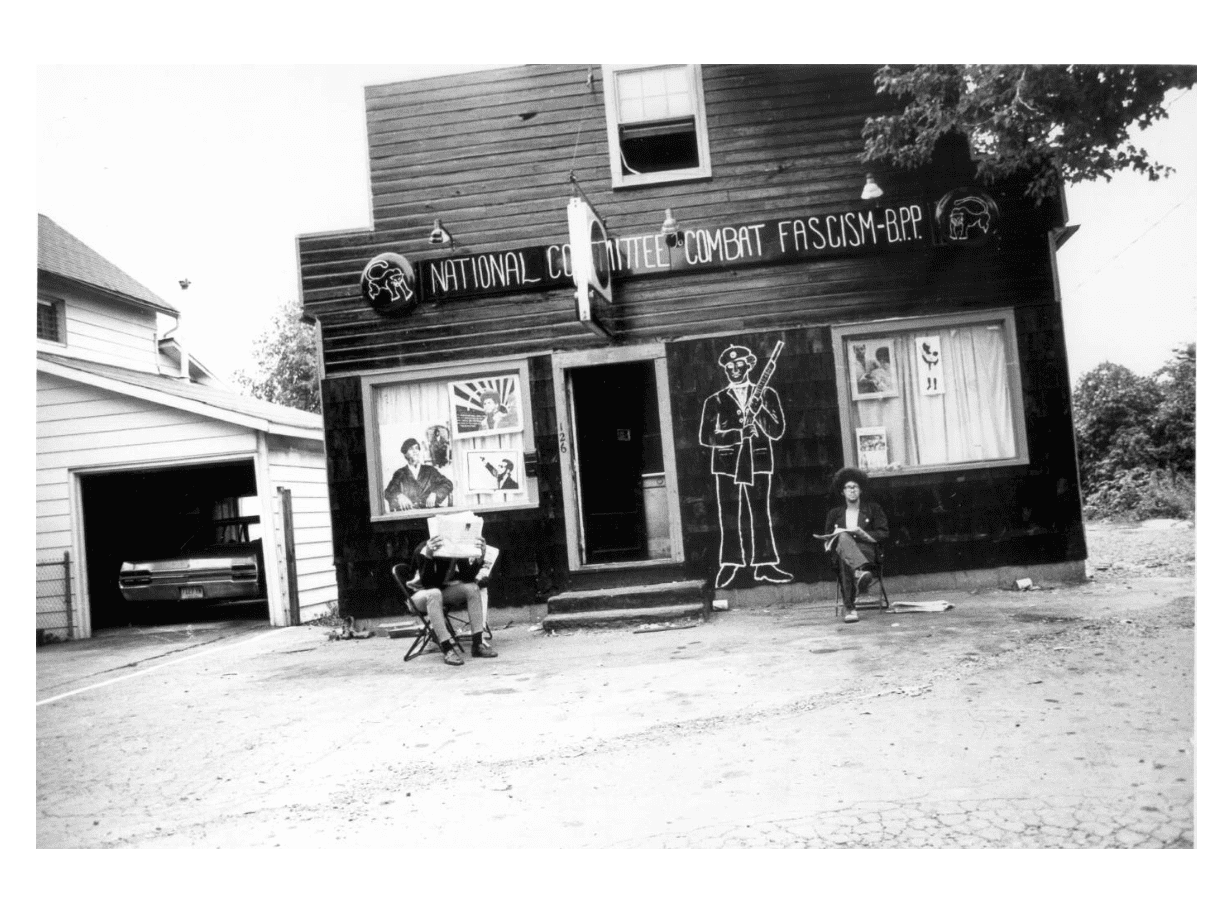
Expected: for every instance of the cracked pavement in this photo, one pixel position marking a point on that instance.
(1049, 718)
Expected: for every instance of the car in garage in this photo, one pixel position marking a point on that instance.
(204, 568)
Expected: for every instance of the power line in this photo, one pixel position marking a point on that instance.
(1145, 232)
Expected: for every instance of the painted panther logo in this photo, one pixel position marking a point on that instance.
(387, 283)
(966, 217)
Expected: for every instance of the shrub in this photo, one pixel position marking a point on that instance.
(1140, 493)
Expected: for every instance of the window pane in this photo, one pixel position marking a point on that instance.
(930, 396)
(653, 94)
(48, 322)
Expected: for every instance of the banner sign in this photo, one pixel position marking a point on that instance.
(962, 218)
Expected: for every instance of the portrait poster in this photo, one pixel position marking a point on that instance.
(486, 406)
(494, 471)
(873, 369)
(414, 459)
(872, 448)
(929, 366)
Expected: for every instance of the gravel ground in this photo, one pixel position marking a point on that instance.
(1156, 547)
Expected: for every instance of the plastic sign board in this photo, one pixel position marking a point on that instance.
(592, 265)
(387, 284)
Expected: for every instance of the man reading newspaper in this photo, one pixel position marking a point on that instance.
(447, 568)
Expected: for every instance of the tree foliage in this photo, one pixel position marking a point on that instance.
(1137, 437)
(285, 363)
(1054, 123)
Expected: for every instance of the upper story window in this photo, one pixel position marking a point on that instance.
(51, 320)
(656, 124)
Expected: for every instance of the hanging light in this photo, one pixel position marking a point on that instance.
(871, 190)
(438, 234)
(670, 228)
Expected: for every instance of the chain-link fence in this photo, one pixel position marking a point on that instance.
(53, 593)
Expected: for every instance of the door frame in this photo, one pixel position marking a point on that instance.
(562, 362)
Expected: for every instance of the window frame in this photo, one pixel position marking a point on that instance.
(620, 180)
(370, 385)
(839, 333)
(57, 306)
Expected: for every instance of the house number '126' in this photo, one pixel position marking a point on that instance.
(564, 446)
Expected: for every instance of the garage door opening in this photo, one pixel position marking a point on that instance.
(189, 541)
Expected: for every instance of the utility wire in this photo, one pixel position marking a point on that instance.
(1147, 231)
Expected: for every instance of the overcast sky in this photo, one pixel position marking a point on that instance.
(208, 173)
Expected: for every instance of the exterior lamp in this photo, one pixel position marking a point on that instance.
(670, 229)
(438, 234)
(871, 190)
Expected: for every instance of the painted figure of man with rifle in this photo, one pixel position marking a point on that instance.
(740, 424)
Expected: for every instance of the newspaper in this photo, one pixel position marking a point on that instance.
(459, 531)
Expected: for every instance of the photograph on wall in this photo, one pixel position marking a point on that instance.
(872, 368)
(488, 405)
(492, 471)
(423, 481)
(871, 447)
(928, 365)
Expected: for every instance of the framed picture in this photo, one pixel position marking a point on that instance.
(873, 369)
(928, 365)
(416, 465)
(871, 447)
(494, 471)
(485, 406)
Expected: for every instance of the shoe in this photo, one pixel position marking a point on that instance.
(482, 650)
(770, 573)
(864, 579)
(850, 617)
(727, 573)
(453, 656)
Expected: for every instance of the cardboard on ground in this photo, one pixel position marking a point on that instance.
(459, 531)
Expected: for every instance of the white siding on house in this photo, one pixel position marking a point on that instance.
(299, 466)
(107, 332)
(80, 427)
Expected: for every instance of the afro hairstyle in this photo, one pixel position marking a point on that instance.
(846, 474)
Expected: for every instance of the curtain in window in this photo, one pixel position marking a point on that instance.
(970, 420)
(414, 410)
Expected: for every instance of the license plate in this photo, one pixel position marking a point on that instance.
(191, 592)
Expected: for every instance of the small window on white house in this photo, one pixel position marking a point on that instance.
(51, 320)
(930, 393)
(656, 124)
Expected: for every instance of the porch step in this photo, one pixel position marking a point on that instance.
(628, 597)
(621, 617)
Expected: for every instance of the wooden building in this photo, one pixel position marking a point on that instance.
(137, 443)
(908, 322)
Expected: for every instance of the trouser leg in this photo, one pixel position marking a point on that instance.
(731, 544)
(850, 556)
(431, 601)
(458, 594)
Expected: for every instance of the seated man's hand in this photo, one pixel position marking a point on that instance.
(434, 545)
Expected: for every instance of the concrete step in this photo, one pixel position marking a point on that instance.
(622, 617)
(627, 597)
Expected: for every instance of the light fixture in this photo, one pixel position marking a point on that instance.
(871, 190)
(670, 229)
(438, 234)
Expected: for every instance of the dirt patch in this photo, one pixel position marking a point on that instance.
(1134, 550)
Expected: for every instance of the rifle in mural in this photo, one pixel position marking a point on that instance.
(744, 459)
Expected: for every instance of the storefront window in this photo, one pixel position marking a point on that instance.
(917, 395)
(656, 119)
(449, 441)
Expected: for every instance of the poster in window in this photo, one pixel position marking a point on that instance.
(484, 406)
(873, 369)
(928, 365)
(424, 480)
(871, 447)
(492, 471)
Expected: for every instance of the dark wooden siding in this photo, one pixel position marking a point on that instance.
(783, 141)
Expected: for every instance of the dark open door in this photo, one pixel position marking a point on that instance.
(616, 415)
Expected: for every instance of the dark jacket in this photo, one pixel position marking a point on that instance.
(720, 430)
(872, 520)
(432, 570)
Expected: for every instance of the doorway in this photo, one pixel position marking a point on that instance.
(623, 503)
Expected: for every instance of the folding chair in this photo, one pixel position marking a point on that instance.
(880, 601)
(457, 619)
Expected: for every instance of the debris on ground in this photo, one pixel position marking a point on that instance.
(348, 631)
(666, 625)
(913, 607)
